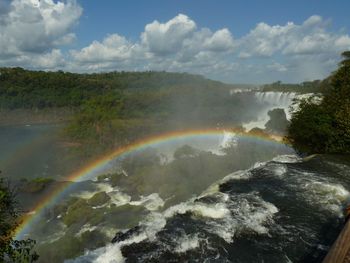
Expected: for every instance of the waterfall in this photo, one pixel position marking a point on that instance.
(272, 100)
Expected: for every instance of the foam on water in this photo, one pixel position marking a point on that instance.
(327, 195)
(61, 231)
(278, 169)
(153, 223)
(215, 211)
(86, 227)
(238, 175)
(113, 254)
(230, 215)
(186, 243)
(248, 213)
(318, 190)
(119, 198)
(105, 187)
(224, 218)
(287, 158)
(99, 187)
(151, 202)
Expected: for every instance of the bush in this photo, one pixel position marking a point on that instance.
(12, 250)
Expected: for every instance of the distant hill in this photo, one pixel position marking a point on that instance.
(22, 88)
(316, 86)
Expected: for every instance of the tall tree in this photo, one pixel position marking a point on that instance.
(17, 251)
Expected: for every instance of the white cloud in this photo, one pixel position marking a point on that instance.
(32, 32)
(265, 40)
(51, 60)
(112, 48)
(175, 45)
(275, 66)
(29, 28)
(314, 20)
(342, 42)
(167, 38)
(221, 40)
(311, 37)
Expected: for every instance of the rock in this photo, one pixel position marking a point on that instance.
(121, 236)
(278, 122)
(99, 199)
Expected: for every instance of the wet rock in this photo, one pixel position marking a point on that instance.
(121, 236)
(99, 199)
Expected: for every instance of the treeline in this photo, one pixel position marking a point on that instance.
(316, 86)
(21, 88)
(12, 250)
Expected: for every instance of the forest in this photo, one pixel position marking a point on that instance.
(110, 109)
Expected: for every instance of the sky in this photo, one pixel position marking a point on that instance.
(249, 41)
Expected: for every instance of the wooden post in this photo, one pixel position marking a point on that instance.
(340, 251)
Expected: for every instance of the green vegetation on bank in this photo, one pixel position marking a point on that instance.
(324, 127)
(35, 185)
(12, 250)
(22, 88)
(316, 86)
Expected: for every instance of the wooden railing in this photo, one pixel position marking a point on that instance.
(340, 251)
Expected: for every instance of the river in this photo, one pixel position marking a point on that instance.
(222, 198)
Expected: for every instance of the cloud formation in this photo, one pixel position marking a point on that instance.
(32, 34)
(176, 45)
(309, 38)
(168, 38)
(30, 29)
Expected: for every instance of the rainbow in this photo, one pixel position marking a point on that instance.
(96, 166)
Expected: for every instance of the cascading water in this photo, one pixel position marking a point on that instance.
(271, 100)
(278, 211)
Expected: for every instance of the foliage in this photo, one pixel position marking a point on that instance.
(35, 185)
(325, 127)
(38, 89)
(12, 250)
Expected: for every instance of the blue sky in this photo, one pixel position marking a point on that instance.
(233, 41)
(129, 17)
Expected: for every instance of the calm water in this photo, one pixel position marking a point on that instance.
(29, 151)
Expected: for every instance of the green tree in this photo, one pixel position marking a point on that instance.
(325, 127)
(16, 251)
